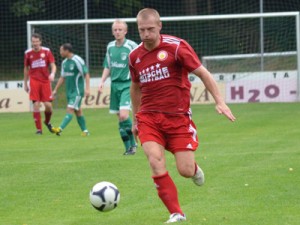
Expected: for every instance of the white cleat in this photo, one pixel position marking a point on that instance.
(198, 178)
(176, 217)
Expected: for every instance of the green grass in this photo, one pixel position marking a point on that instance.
(45, 180)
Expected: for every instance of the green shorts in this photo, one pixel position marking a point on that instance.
(74, 102)
(119, 97)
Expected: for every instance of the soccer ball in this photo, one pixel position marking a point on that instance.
(104, 196)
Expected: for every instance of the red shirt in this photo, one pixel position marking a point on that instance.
(162, 74)
(38, 63)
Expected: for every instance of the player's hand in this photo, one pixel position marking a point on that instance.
(26, 88)
(87, 93)
(54, 94)
(101, 86)
(222, 108)
(52, 76)
(135, 132)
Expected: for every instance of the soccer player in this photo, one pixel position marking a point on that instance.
(73, 73)
(160, 94)
(116, 65)
(37, 61)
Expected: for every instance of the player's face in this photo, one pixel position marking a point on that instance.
(63, 52)
(119, 31)
(36, 43)
(149, 30)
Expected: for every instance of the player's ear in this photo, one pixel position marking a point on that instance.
(160, 25)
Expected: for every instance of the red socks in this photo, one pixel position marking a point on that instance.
(47, 117)
(167, 192)
(37, 120)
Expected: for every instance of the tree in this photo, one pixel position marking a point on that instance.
(27, 7)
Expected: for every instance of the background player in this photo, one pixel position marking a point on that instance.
(116, 65)
(73, 72)
(36, 69)
(160, 94)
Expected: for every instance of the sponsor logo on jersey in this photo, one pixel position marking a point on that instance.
(68, 74)
(71, 66)
(124, 55)
(137, 60)
(42, 55)
(162, 55)
(154, 73)
(118, 65)
(38, 63)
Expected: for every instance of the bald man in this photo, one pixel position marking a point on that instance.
(116, 66)
(160, 94)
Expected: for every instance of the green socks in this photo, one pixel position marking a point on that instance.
(81, 122)
(126, 133)
(66, 121)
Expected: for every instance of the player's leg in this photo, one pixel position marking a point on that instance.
(37, 117)
(47, 99)
(124, 118)
(72, 104)
(48, 114)
(182, 142)
(153, 142)
(165, 186)
(81, 122)
(114, 108)
(188, 168)
(35, 97)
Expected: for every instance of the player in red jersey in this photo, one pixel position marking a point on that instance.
(37, 61)
(160, 93)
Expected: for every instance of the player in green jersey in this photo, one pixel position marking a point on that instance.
(73, 73)
(116, 65)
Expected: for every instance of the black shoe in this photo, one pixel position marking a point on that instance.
(38, 132)
(49, 126)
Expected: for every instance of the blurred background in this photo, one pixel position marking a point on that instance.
(207, 37)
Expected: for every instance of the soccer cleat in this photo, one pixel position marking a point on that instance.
(39, 132)
(176, 217)
(198, 178)
(85, 134)
(133, 149)
(130, 152)
(49, 126)
(56, 130)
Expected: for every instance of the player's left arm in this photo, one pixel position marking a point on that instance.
(53, 71)
(87, 85)
(52, 66)
(212, 87)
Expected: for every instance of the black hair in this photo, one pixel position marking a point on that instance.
(67, 47)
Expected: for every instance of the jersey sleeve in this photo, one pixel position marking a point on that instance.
(62, 72)
(106, 62)
(187, 57)
(51, 57)
(133, 74)
(26, 60)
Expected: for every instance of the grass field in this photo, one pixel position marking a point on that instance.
(45, 180)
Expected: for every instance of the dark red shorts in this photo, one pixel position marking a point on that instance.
(176, 132)
(40, 91)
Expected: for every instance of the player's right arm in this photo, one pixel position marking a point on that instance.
(26, 71)
(26, 77)
(60, 81)
(105, 75)
(135, 93)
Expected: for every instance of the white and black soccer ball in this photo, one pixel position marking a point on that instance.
(104, 196)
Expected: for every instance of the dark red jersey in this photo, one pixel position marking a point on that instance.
(38, 63)
(162, 74)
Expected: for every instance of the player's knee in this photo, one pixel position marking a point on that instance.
(186, 170)
(123, 117)
(156, 164)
